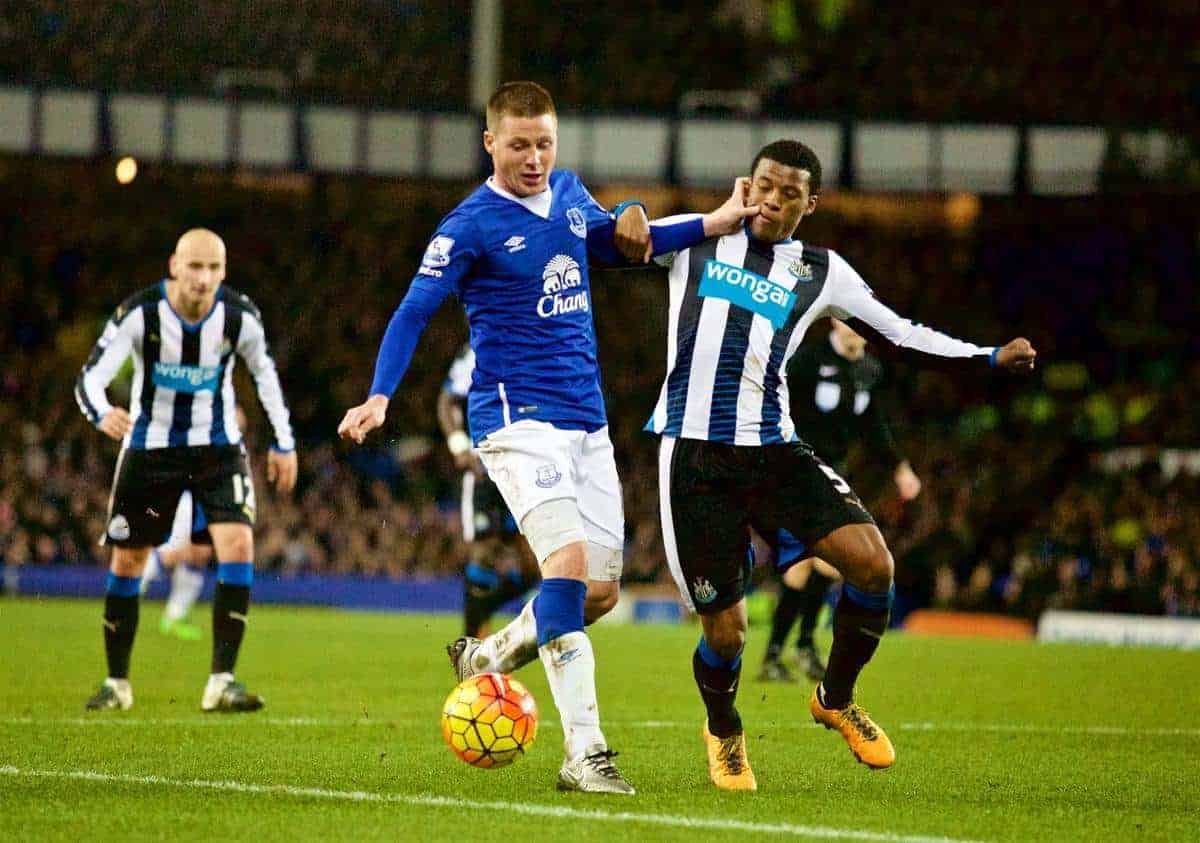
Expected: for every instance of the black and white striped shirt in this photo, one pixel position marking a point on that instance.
(182, 372)
(739, 310)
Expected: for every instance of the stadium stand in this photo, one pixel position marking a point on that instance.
(911, 60)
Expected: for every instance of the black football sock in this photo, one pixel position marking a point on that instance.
(231, 604)
(120, 623)
(814, 597)
(479, 590)
(859, 621)
(717, 680)
(791, 601)
(512, 586)
(509, 588)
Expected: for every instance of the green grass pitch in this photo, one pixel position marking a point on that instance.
(995, 741)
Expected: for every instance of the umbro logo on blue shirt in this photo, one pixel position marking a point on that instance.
(515, 244)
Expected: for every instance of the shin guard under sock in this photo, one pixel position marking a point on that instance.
(717, 680)
(231, 603)
(120, 623)
(859, 622)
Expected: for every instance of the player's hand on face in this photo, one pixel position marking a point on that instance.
(361, 420)
(1018, 356)
(632, 237)
(281, 470)
(908, 484)
(729, 217)
(116, 423)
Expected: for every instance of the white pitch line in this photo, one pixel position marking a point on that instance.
(103, 720)
(557, 812)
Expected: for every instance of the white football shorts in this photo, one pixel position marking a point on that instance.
(532, 463)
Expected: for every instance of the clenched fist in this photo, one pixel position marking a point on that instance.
(1018, 356)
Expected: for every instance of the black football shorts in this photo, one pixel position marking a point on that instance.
(485, 515)
(148, 483)
(711, 494)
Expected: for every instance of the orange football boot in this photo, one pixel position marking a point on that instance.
(867, 741)
(727, 764)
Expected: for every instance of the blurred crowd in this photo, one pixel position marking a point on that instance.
(1021, 508)
(1107, 63)
(404, 52)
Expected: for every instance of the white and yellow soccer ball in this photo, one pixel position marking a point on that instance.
(489, 720)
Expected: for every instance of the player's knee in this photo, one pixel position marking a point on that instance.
(240, 549)
(129, 561)
(725, 632)
(880, 569)
(601, 599)
(567, 561)
(604, 563)
(865, 560)
(555, 534)
(232, 542)
(726, 641)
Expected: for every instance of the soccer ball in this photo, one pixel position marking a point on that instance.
(489, 719)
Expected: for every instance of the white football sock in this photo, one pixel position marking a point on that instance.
(152, 570)
(571, 671)
(511, 648)
(186, 585)
(218, 681)
(122, 689)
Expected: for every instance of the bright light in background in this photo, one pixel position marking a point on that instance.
(126, 170)
(962, 210)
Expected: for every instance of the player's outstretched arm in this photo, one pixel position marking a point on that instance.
(637, 241)
(851, 298)
(395, 353)
(446, 262)
(622, 238)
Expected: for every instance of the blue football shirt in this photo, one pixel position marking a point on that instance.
(520, 268)
(523, 280)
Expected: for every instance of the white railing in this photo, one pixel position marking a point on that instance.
(689, 150)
